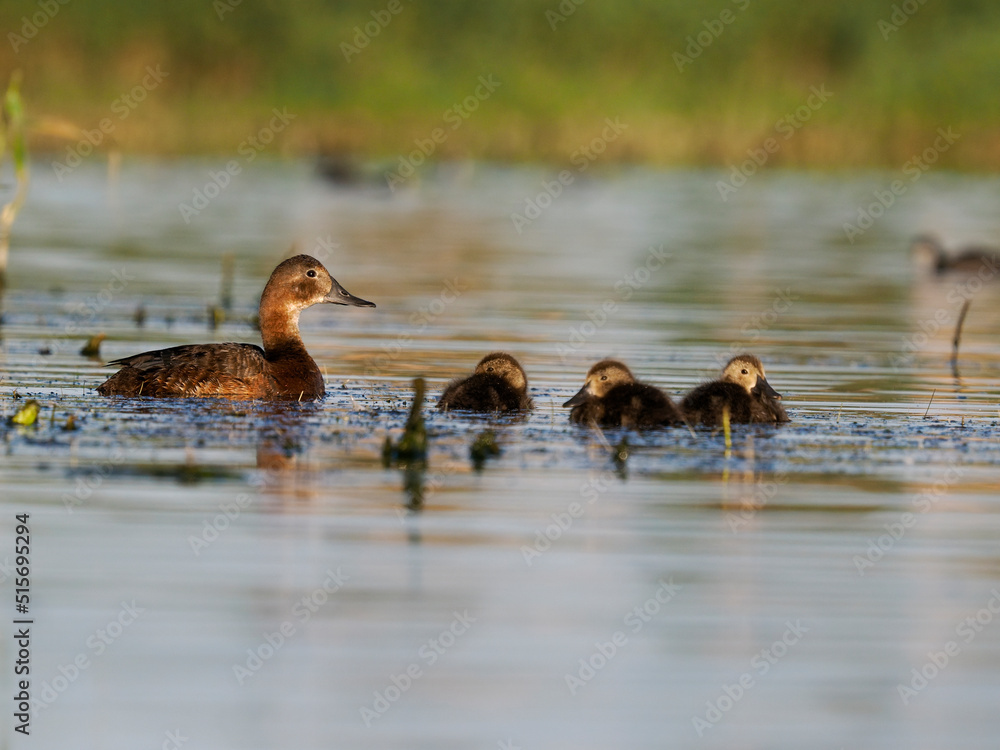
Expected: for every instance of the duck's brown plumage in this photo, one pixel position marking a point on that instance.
(283, 369)
(498, 385)
(612, 397)
(743, 390)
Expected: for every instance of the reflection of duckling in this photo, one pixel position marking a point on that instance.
(498, 384)
(930, 254)
(742, 389)
(612, 397)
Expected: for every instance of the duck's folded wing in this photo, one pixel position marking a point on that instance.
(235, 360)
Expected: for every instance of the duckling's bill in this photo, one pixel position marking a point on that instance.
(581, 396)
(764, 388)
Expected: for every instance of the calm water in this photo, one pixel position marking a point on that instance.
(246, 576)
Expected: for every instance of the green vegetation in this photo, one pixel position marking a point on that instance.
(12, 132)
(696, 83)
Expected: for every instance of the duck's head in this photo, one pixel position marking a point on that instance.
(747, 371)
(302, 281)
(601, 378)
(504, 366)
(928, 252)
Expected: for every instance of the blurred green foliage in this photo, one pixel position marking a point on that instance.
(563, 67)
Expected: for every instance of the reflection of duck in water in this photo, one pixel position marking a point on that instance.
(498, 385)
(612, 397)
(742, 389)
(931, 255)
(283, 369)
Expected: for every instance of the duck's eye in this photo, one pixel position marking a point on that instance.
(311, 273)
(745, 372)
(604, 377)
(489, 369)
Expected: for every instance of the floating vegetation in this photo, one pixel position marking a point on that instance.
(226, 283)
(27, 415)
(412, 446)
(484, 446)
(93, 346)
(216, 316)
(621, 452)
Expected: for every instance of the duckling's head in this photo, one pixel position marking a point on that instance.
(601, 378)
(504, 366)
(928, 252)
(302, 281)
(747, 371)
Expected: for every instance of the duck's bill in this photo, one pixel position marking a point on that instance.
(764, 389)
(581, 396)
(340, 296)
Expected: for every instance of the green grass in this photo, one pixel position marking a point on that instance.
(606, 59)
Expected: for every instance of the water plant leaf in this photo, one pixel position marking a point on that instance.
(27, 414)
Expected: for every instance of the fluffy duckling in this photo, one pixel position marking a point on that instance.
(931, 255)
(498, 384)
(612, 397)
(743, 389)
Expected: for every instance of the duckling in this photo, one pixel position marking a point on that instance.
(283, 369)
(497, 385)
(930, 254)
(612, 397)
(742, 389)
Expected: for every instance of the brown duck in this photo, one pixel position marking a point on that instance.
(283, 369)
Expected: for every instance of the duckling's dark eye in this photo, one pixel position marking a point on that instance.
(604, 377)
(312, 275)
(489, 369)
(745, 372)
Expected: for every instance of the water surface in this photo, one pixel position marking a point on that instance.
(777, 596)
